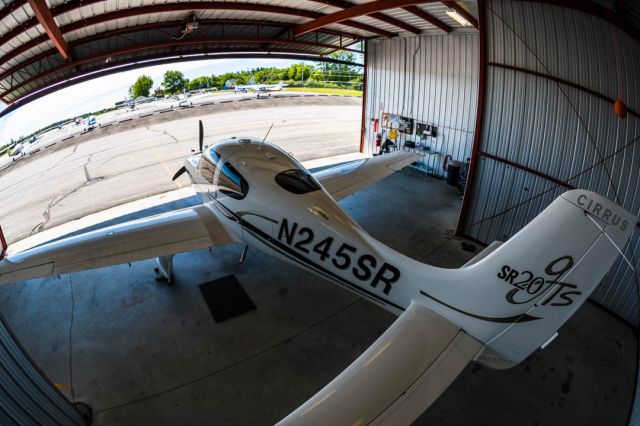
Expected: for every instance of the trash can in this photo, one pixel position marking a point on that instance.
(453, 172)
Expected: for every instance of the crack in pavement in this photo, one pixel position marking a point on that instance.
(163, 132)
(40, 173)
(46, 215)
(146, 148)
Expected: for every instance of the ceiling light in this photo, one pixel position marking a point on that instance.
(458, 18)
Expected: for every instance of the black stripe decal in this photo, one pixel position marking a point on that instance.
(504, 320)
(305, 262)
(295, 256)
(318, 269)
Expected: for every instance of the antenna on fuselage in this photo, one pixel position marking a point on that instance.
(183, 169)
(265, 136)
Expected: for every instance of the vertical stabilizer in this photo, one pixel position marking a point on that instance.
(517, 297)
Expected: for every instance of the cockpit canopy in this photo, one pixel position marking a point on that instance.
(217, 167)
(224, 176)
(297, 181)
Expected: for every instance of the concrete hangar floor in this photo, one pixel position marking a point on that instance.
(142, 352)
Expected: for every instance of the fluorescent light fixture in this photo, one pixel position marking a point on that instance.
(458, 18)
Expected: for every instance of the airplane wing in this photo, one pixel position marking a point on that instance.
(344, 180)
(154, 236)
(395, 379)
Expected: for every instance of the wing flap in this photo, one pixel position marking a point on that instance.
(160, 235)
(342, 181)
(397, 377)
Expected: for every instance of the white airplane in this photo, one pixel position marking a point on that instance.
(260, 88)
(17, 150)
(495, 310)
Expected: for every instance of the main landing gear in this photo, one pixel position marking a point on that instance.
(164, 270)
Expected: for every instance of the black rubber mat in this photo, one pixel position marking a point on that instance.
(226, 298)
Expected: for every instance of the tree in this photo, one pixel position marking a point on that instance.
(173, 82)
(199, 83)
(141, 87)
(158, 92)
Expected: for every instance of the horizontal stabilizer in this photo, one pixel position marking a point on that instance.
(397, 377)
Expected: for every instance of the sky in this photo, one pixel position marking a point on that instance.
(104, 92)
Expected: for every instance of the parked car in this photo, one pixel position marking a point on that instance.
(90, 123)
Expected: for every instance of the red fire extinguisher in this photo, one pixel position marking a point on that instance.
(378, 140)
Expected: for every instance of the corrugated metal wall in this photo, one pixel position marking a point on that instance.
(26, 396)
(432, 79)
(560, 132)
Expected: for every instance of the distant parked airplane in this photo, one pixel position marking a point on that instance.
(16, 150)
(495, 310)
(260, 88)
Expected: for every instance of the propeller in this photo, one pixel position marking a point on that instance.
(179, 173)
(183, 169)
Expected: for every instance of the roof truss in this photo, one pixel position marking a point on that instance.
(43, 14)
(352, 12)
(39, 60)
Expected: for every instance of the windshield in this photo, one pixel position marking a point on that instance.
(297, 181)
(224, 176)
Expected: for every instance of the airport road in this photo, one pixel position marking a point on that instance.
(94, 174)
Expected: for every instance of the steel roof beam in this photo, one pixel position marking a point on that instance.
(175, 7)
(45, 18)
(462, 11)
(379, 16)
(24, 48)
(8, 10)
(337, 49)
(428, 17)
(395, 22)
(196, 6)
(156, 25)
(75, 26)
(368, 28)
(133, 49)
(352, 12)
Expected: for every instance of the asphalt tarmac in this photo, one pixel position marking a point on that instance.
(137, 159)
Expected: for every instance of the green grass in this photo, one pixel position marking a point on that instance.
(328, 91)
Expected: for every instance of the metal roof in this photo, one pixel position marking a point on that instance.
(97, 36)
(48, 44)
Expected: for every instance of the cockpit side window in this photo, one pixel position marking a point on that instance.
(231, 183)
(224, 176)
(297, 181)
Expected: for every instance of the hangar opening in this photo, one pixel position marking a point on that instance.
(465, 172)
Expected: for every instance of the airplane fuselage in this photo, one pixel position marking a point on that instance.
(268, 201)
(307, 229)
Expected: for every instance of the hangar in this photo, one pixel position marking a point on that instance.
(531, 97)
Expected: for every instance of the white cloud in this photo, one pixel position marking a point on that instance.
(104, 92)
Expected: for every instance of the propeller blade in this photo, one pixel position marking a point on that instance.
(201, 135)
(179, 172)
